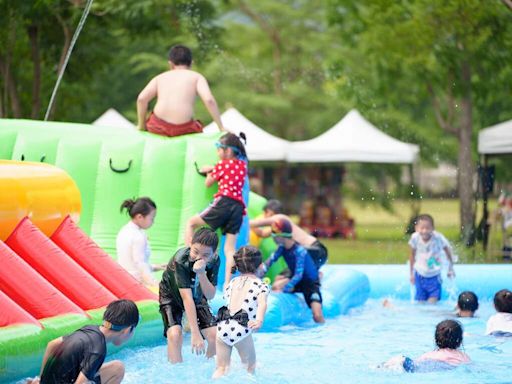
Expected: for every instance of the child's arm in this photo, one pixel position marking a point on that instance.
(50, 349)
(260, 313)
(139, 259)
(263, 268)
(190, 310)
(412, 255)
(204, 92)
(145, 96)
(263, 222)
(451, 272)
(299, 271)
(265, 232)
(210, 180)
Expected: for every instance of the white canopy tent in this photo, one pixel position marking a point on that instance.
(112, 118)
(261, 145)
(496, 139)
(353, 139)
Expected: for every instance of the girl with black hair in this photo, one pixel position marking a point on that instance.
(500, 324)
(228, 208)
(246, 297)
(132, 244)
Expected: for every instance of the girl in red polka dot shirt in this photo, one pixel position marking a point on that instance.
(228, 208)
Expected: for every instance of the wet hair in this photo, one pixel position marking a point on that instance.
(274, 205)
(468, 301)
(180, 55)
(247, 259)
(503, 301)
(234, 142)
(205, 236)
(142, 205)
(121, 314)
(282, 227)
(424, 217)
(448, 334)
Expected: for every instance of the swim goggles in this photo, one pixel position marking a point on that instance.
(282, 234)
(117, 327)
(224, 146)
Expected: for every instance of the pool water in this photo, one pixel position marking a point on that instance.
(347, 349)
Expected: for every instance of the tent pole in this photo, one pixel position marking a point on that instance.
(485, 214)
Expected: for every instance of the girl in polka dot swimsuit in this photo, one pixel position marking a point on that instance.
(227, 209)
(246, 297)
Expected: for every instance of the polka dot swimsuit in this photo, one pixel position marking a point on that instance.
(230, 331)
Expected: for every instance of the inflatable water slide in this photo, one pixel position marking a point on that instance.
(62, 186)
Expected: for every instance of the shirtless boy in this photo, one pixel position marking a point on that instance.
(176, 91)
(272, 211)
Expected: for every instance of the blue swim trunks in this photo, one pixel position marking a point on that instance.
(427, 287)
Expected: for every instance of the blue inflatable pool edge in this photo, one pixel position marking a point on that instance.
(342, 289)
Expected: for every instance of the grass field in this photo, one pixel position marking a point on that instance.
(381, 235)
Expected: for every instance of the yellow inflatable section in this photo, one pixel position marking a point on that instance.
(42, 192)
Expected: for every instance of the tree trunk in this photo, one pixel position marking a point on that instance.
(465, 162)
(33, 33)
(10, 88)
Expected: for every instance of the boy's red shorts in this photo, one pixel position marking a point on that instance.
(161, 127)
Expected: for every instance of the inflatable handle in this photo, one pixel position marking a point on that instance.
(120, 170)
(41, 161)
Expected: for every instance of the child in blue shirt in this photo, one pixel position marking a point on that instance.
(427, 247)
(304, 273)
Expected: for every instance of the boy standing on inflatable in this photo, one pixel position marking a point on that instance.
(304, 274)
(79, 356)
(176, 91)
(273, 211)
(187, 284)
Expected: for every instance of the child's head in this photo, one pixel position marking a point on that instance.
(141, 210)
(247, 259)
(180, 55)
(424, 225)
(272, 207)
(230, 146)
(503, 301)
(467, 303)
(121, 317)
(282, 231)
(204, 244)
(448, 334)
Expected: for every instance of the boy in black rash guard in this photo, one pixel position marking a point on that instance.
(187, 284)
(79, 356)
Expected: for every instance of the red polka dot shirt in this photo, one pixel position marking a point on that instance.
(230, 175)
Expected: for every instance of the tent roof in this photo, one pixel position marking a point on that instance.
(112, 118)
(353, 139)
(496, 139)
(261, 145)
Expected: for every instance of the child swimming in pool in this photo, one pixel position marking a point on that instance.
(448, 338)
(500, 324)
(467, 304)
(246, 297)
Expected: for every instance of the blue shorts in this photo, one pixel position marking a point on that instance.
(427, 287)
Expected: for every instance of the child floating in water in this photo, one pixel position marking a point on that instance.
(448, 338)
(246, 297)
(467, 304)
(500, 324)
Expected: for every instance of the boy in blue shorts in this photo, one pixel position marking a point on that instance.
(303, 271)
(427, 247)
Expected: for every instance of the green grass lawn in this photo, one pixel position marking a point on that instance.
(381, 239)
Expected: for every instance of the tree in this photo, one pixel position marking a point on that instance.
(431, 57)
